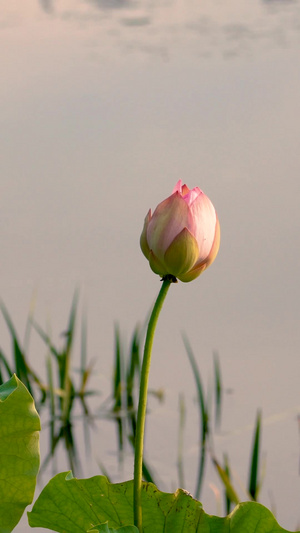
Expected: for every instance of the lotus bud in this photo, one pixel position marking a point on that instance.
(182, 237)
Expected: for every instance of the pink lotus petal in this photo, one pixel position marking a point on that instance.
(169, 218)
(185, 191)
(203, 224)
(192, 195)
(178, 187)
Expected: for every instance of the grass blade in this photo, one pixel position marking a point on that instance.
(67, 390)
(228, 500)
(6, 366)
(231, 495)
(21, 368)
(253, 474)
(182, 414)
(204, 417)
(132, 371)
(51, 404)
(117, 388)
(218, 389)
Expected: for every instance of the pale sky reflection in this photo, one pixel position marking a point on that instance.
(203, 27)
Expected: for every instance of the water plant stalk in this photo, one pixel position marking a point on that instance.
(141, 415)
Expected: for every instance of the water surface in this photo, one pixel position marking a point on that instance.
(105, 105)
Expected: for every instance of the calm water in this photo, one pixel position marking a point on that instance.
(105, 105)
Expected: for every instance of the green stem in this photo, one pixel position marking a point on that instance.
(141, 415)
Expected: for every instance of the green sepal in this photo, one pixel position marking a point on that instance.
(182, 253)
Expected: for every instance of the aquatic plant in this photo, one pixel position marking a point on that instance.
(180, 241)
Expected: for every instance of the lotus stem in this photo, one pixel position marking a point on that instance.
(141, 415)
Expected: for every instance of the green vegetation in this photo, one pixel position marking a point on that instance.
(59, 396)
(70, 505)
(19, 452)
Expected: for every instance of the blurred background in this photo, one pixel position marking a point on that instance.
(105, 104)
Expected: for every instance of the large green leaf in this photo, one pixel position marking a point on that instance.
(19, 452)
(70, 505)
(103, 528)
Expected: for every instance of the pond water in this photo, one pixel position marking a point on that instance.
(105, 105)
